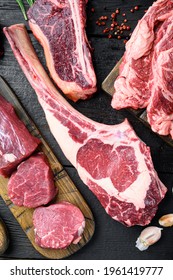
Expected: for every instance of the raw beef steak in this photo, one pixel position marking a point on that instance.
(160, 107)
(114, 163)
(133, 85)
(32, 185)
(58, 225)
(60, 28)
(16, 143)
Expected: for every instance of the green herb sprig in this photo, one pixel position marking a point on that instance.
(22, 7)
(30, 2)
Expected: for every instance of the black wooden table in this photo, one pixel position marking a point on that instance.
(111, 240)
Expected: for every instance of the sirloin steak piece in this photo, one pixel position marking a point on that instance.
(133, 85)
(32, 185)
(58, 225)
(16, 142)
(60, 28)
(110, 159)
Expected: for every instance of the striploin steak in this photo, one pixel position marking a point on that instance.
(58, 225)
(110, 159)
(137, 70)
(16, 142)
(32, 185)
(60, 28)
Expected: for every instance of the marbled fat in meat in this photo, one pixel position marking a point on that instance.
(60, 28)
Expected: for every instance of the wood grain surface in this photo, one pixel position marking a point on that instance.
(111, 240)
(67, 191)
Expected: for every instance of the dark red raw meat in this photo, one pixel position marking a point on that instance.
(32, 185)
(60, 28)
(58, 225)
(16, 142)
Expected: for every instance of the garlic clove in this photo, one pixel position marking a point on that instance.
(166, 220)
(148, 237)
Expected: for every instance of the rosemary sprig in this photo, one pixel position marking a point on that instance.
(30, 2)
(22, 7)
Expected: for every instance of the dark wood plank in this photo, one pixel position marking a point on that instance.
(106, 8)
(11, 13)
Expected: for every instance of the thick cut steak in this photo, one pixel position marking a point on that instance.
(114, 163)
(160, 107)
(60, 28)
(133, 85)
(58, 225)
(32, 185)
(16, 143)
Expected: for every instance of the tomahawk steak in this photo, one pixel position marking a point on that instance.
(60, 28)
(110, 159)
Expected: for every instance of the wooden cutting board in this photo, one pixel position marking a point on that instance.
(108, 87)
(67, 189)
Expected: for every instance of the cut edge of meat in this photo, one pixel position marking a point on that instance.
(28, 190)
(9, 162)
(71, 89)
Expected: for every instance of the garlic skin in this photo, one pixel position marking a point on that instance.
(148, 236)
(166, 220)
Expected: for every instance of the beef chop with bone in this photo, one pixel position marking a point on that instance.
(60, 28)
(110, 159)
